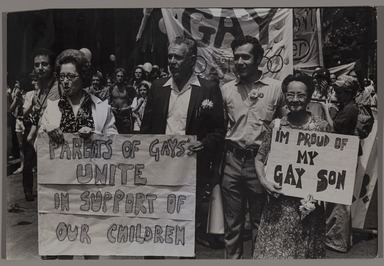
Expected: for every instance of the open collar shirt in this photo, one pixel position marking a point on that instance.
(248, 117)
(178, 105)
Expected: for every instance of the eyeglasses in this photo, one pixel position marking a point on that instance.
(69, 76)
(291, 96)
(44, 64)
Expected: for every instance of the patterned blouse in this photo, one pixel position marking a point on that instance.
(69, 122)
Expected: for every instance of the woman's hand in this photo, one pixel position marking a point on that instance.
(55, 134)
(85, 132)
(272, 188)
(326, 105)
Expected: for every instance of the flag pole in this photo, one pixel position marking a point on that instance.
(319, 38)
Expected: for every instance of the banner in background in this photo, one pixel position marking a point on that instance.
(366, 178)
(130, 195)
(313, 163)
(305, 38)
(337, 70)
(215, 28)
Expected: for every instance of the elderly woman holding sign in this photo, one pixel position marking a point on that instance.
(290, 227)
(76, 111)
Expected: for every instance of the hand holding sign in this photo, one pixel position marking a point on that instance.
(272, 188)
(55, 134)
(307, 163)
(197, 146)
(85, 132)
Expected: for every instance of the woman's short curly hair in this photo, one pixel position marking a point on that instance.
(74, 57)
(300, 77)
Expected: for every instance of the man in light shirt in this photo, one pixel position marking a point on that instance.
(251, 102)
(45, 89)
(185, 104)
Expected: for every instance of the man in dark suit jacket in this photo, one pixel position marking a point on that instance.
(185, 104)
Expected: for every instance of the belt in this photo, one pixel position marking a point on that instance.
(241, 153)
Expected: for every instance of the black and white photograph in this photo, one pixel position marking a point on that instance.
(192, 133)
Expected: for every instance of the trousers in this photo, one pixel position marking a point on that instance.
(240, 187)
(30, 161)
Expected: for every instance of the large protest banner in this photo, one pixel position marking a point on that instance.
(313, 163)
(215, 28)
(120, 195)
(306, 38)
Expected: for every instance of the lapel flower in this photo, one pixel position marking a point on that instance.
(254, 94)
(312, 126)
(307, 206)
(207, 104)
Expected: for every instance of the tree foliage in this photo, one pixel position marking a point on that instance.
(349, 35)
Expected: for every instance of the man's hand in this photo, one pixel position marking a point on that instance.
(197, 146)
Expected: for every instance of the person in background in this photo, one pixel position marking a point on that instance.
(138, 105)
(138, 77)
(285, 232)
(362, 97)
(16, 108)
(108, 82)
(321, 79)
(251, 102)
(46, 88)
(155, 73)
(338, 234)
(147, 70)
(120, 98)
(333, 108)
(97, 87)
(370, 89)
(333, 78)
(14, 152)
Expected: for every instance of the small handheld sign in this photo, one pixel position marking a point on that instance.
(314, 163)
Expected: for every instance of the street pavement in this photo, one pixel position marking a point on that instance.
(22, 234)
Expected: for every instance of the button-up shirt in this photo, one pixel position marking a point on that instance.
(178, 106)
(248, 116)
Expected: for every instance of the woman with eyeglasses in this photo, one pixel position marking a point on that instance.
(284, 233)
(76, 111)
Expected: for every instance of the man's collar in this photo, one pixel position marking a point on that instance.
(262, 79)
(193, 80)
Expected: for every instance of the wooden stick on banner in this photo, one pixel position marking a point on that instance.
(319, 38)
